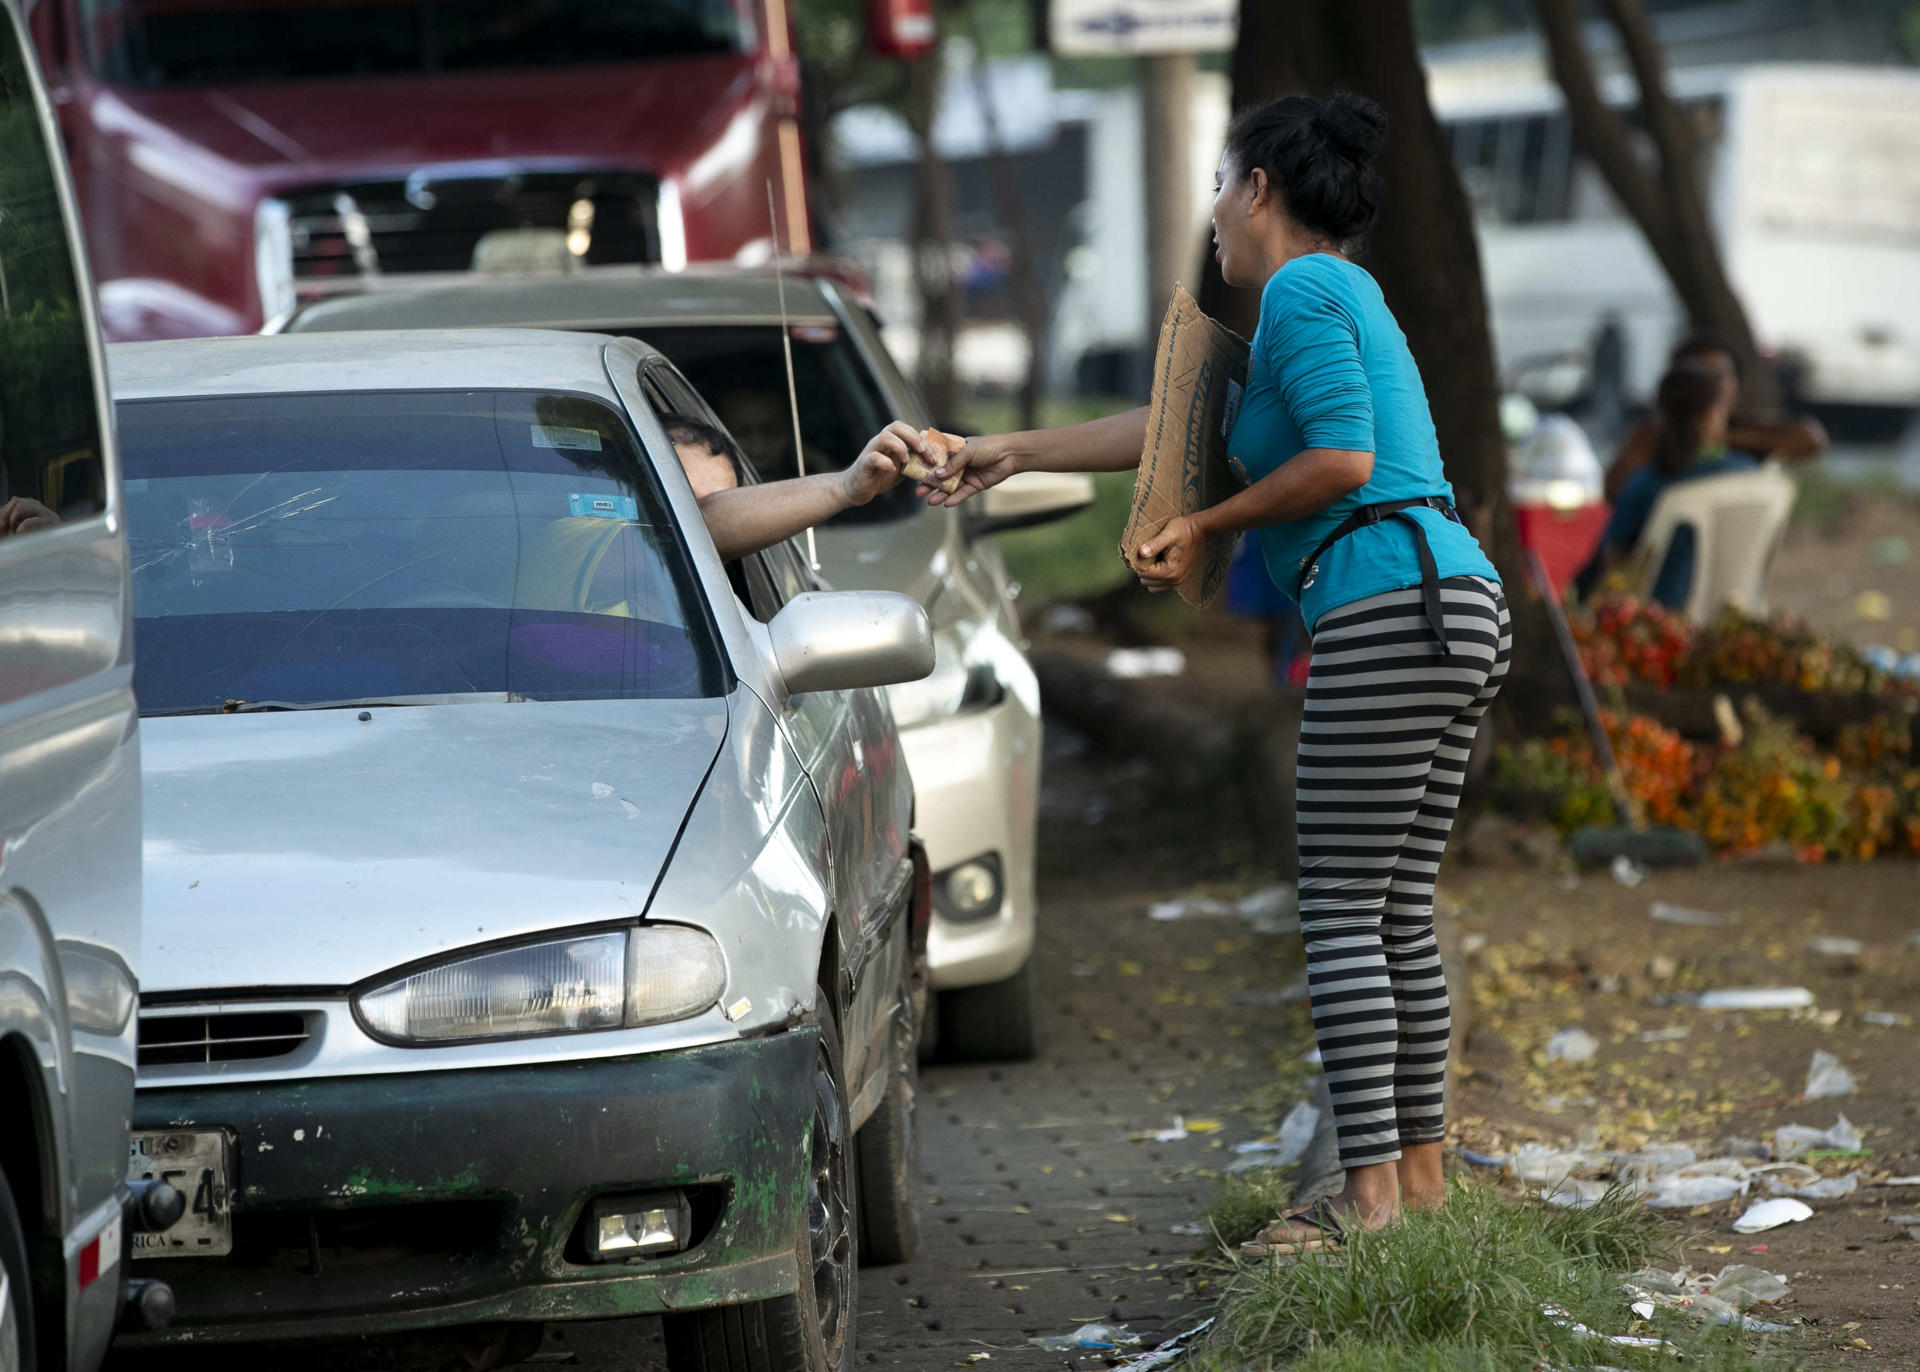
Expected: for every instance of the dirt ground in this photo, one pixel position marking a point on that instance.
(1856, 576)
(1553, 950)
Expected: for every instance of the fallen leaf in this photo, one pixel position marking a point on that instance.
(1129, 968)
(1203, 1126)
(1119, 1218)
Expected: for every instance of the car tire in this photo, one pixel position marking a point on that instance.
(888, 1147)
(16, 1290)
(998, 1022)
(813, 1329)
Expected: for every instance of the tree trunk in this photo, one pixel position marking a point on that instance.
(932, 245)
(1665, 199)
(1423, 252)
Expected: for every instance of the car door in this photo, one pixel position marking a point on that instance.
(69, 762)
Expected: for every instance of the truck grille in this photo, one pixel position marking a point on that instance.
(172, 1040)
(434, 223)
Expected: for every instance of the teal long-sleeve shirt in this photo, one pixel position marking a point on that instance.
(1331, 369)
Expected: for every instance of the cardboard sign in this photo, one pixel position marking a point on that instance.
(1199, 374)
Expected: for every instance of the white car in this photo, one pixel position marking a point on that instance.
(972, 729)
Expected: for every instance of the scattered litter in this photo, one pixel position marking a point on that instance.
(1734, 1147)
(1296, 1131)
(1826, 1188)
(1655, 1160)
(1574, 1193)
(1134, 664)
(1829, 946)
(1679, 914)
(1169, 1352)
(1173, 1135)
(1572, 1045)
(1667, 1035)
(1755, 998)
(1683, 1191)
(1547, 1165)
(1095, 1336)
(1872, 605)
(1743, 1285)
(1067, 618)
(1771, 1214)
(1474, 1158)
(1566, 1321)
(1084, 969)
(1791, 1140)
(973, 1358)
(1312, 1057)
(1903, 1219)
(1886, 1019)
(1898, 1181)
(1626, 871)
(1826, 1077)
(1192, 1229)
(1271, 910)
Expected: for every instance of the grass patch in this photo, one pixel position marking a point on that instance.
(1459, 1289)
(1247, 1202)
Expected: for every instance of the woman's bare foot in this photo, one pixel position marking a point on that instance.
(1370, 1199)
(1423, 1184)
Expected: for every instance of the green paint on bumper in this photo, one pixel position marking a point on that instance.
(442, 1198)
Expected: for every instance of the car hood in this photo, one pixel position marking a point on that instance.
(312, 849)
(292, 132)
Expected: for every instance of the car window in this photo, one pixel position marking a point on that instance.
(339, 547)
(51, 466)
(741, 372)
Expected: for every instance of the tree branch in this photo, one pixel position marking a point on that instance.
(1603, 134)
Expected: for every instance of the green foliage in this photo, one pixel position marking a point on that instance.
(1247, 1202)
(1460, 1288)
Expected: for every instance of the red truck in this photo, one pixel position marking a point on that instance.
(233, 156)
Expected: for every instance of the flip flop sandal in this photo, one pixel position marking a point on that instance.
(1320, 1215)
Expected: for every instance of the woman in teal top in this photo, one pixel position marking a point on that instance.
(1345, 489)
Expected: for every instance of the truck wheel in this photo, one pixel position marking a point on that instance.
(812, 1330)
(889, 1151)
(996, 1022)
(16, 1290)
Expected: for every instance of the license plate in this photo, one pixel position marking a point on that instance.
(198, 1163)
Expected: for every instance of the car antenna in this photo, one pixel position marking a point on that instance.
(786, 350)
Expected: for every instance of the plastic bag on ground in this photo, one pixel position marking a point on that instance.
(1826, 1077)
(1755, 998)
(1744, 1285)
(1771, 1214)
(1792, 1139)
(1679, 914)
(1828, 946)
(1296, 1132)
(1547, 1165)
(1093, 1336)
(1572, 1045)
(1680, 1191)
(1573, 1193)
(1655, 1160)
(1826, 1188)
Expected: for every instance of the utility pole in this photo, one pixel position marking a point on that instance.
(1166, 111)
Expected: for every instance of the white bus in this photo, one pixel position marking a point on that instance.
(1813, 176)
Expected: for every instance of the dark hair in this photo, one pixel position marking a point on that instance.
(1698, 342)
(1688, 393)
(686, 429)
(1319, 155)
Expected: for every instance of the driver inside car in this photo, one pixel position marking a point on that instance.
(743, 519)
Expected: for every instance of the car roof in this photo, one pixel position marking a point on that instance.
(396, 360)
(614, 298)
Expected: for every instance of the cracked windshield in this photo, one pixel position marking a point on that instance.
(309, 549)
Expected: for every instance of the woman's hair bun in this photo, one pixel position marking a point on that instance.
(1353, 125)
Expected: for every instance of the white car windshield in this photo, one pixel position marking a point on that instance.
(309, 550)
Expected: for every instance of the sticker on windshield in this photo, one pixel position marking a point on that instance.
(605, 506)
(560, 436)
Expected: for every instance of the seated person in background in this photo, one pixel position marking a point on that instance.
(1695, 415)
(745, 519)
(1793, 438)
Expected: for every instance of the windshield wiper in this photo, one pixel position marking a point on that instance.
(252, 707)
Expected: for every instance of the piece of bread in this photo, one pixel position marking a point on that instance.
(916, 470)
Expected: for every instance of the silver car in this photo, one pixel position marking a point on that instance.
(69, 778)
(971, 729)
(530, 896)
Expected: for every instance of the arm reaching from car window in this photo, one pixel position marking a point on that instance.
(746, 519)
(1113, 444)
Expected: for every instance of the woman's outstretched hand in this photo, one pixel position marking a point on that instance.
(983, 463)
(1172, 554)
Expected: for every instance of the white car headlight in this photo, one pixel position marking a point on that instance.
(568, 985)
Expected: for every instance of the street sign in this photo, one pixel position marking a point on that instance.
(1128, 28)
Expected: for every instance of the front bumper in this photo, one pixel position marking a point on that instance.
(976, 786)
(387, 1204)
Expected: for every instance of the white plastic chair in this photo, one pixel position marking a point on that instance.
(1737, 519)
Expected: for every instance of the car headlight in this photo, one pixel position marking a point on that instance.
(622, 979)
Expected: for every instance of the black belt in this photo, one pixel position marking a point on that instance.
(1429, 574)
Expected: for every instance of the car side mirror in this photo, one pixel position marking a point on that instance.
(1027, 499)
(846, 640)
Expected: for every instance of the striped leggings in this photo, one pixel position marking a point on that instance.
(1388, 726)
